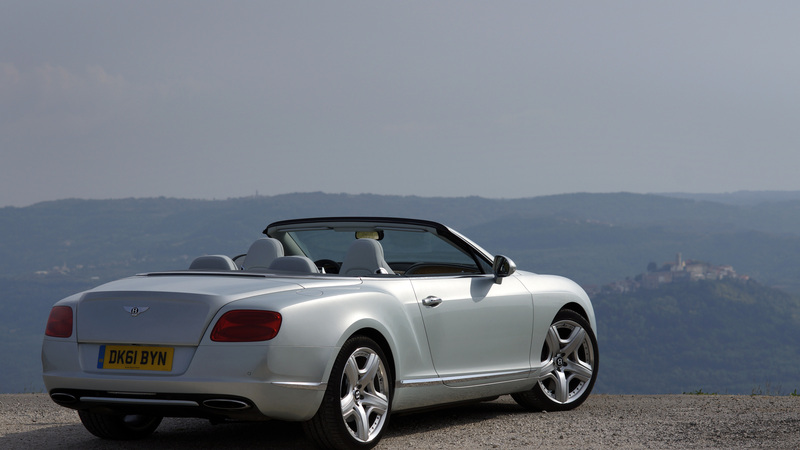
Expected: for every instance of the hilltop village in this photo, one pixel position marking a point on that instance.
(677, 271)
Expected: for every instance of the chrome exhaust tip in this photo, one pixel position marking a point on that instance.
(225, 404)
(62, 398)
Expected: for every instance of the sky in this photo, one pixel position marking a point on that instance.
(507, 99)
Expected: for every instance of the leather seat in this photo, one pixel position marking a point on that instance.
(261, 254)
(293, 264)
(213, 262)
(365, 257)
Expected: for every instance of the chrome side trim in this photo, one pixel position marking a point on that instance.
(139, 401)
(484, 378)
(311, 386)
(419, 382)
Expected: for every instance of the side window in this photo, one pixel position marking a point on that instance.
(425, 254)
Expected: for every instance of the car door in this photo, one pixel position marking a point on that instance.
(478, 331)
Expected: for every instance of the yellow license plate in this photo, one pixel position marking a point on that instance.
(135, 357)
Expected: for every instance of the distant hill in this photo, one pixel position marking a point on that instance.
(593, 238)
(52, 249)
(716, 336)
(741, 197)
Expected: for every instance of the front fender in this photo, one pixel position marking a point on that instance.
(550, 294)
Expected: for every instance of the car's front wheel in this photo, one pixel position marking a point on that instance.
(569, 366)
(119, 426)
(355, 409)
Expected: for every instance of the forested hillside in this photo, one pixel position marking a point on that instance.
(50, 250)
(593, 238)
(715, 336)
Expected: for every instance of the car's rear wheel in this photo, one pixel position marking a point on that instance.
(119, 426)
(569, 366)
(355, 409)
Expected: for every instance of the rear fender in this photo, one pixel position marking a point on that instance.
(320, 322)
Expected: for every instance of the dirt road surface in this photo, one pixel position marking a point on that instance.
(32, 421)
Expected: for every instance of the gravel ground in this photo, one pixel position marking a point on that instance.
(30, 421)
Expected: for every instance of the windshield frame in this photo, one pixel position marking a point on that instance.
(284, 230)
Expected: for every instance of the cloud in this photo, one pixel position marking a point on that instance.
(9, 76)
(55, 101)
(52, 99)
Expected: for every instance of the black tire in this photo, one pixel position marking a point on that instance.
(569, 366)
(119, 426)
(356, 406)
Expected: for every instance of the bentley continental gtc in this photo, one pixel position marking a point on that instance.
(333, 322)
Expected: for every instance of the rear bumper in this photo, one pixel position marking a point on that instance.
(243, 382)
(239, 401)
(209, 406)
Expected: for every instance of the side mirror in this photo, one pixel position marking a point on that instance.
(502, 268)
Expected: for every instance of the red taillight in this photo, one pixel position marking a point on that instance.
(245, 325)
(59, 324)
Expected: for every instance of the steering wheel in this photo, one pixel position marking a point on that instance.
(329, 265)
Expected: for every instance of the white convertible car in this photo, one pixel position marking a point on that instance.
(335, 322)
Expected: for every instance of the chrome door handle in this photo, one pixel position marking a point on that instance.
(431, 301)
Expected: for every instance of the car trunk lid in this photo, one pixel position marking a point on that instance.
(171, 309)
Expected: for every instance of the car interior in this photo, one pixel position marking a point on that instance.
(364, 257)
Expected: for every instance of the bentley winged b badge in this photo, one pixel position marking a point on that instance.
(135, 310)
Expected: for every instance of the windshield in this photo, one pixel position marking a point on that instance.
(402, 249)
